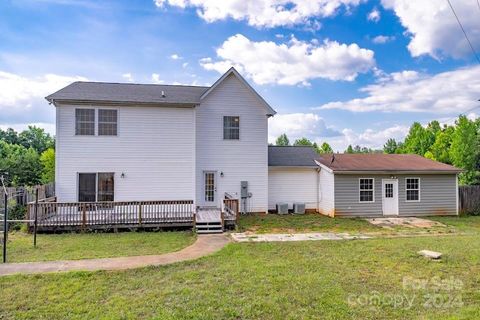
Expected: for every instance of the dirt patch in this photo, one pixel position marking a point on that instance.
(409, 222)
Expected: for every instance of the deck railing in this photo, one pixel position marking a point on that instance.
(231, 209)
(129, 213)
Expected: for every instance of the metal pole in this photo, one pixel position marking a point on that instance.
(35, 223)
(5, 229)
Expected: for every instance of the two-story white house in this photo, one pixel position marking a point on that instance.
(118, 142)
(126, 142)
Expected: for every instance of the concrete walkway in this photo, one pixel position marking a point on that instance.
(315, 236)
(205, 245)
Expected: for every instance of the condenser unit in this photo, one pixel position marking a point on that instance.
(282, 208)
(299, 208)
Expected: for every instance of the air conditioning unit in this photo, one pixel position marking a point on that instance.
(299, 208)
(282, 208)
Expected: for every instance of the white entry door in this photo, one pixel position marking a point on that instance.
(390, 197)
(210, 188)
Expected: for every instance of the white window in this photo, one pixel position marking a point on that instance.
(231, 128)
(412, 189)
(107, 122)
(85, 122)
(366, 190)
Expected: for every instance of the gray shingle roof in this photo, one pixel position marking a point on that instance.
(292, 156)
(128, 92)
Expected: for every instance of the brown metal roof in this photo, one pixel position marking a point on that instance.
(383, 162)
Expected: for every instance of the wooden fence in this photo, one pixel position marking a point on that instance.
(24, 195)
(469, 199)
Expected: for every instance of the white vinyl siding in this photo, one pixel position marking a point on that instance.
(155, 150)
(292, 185)
(238, 160)
(326, 193)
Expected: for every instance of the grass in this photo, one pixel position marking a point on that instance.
(273, 223)
(297, 280)
(74, 246)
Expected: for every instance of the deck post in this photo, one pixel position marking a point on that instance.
(140, 213)
(5, 228)
(84, 215)
(35, 212)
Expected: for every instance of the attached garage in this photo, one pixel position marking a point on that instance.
(293, 176)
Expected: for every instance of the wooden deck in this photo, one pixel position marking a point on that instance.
(52, 216)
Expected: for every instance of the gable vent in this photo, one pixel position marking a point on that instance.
(163, 94)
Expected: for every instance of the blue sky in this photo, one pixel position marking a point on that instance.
(341, 71)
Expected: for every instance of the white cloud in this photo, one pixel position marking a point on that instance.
(128, 77)
(433, 28)
(175, 57)
(156, 79)
(22, 98)
(292, 63)
(298, 125)
(381, 39)
(370, 138)
(313, 127)
(263, 13)
(184, 65)
(450, 92)
(374, 15)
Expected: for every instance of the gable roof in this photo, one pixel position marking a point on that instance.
(128, 92)
(383, 162)
(292, 156)
(233, 71)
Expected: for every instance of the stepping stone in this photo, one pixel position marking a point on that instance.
(430, 254)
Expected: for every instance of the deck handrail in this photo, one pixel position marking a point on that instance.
(231, 208)
(116, 213)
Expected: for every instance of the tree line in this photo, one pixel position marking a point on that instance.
(27, 158)
(457, 144)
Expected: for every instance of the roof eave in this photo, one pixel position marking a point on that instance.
(121, 103)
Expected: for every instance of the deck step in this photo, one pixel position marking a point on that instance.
(209, 227)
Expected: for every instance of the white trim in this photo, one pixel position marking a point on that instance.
(395, 181)
(419, 189)
(456, 192)
(373, 189)
(96, 184)
(323, 166)
(239, 128)
(230, 71)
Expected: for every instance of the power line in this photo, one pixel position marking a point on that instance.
(466, 37)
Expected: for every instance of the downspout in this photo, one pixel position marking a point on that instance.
(318, 190)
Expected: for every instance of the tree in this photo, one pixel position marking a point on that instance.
(464, 150)
(349, 149)
(390, 146)
(325, 148)
(303, 142)
(282, 140)
(36, 138)
(9, 136)
(440, 150)
(47, 159)
(419, 140)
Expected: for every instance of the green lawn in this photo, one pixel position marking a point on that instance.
(358, 279)
(273, 223)
(94, 245)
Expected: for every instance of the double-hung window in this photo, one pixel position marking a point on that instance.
(366, 190)
(412, 189)
(231, 128)
(90, 122)
(85, 122)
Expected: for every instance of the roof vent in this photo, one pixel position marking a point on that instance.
(163, 94)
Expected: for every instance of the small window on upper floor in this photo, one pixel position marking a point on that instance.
(85, 122)
(231, 127)
(107, 122)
